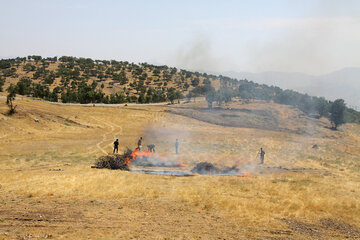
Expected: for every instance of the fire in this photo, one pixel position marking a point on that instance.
(244, 175)
(181, 164)
(136, 154)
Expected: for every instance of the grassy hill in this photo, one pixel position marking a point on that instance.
(83, 80)
(48, 189)
(133, 82)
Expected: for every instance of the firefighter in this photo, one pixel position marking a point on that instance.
(116, 146)
(262, 155)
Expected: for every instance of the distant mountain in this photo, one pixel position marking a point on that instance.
(343, 84)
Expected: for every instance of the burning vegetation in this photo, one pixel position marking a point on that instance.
(146, 159)
(136, 157)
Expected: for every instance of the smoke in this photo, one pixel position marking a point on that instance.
(164, 139)
(319, 38)
(197, 54)
(312, 45)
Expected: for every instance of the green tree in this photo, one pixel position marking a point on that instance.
(5, 63)
(141, 98)
(2, 82)
(172, 95)
(23, 86)
(210, 97)
(206, 81)
(186, 86)
(322, 107)
(195, 82)
(29, 67)
(337, 113)
(156, 72)
(11, 98)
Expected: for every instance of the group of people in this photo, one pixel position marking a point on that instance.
(151, 148)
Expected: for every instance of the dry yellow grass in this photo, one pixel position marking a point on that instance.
(80, 202)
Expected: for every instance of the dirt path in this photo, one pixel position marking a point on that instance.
(105, 136)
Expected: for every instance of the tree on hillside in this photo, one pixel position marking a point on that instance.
(11, 98)
(337, 113)
(29, 67)
(206, 82)
(23, 86)
(322, 107)
(186, 86)
(172, 95)
(178, 95)
(226, 94)
(195, 82)
(210, 97)
(5, 63)
(35, 58)
(2, 82)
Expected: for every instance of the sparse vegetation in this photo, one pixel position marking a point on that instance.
(83, 80)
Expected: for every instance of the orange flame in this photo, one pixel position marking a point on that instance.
(136, 154)
(181, 164)
(139, 155)
(244, 175)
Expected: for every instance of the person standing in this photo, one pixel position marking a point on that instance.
(262, 156)
(116, 146)
(139, 143)
(177, 146)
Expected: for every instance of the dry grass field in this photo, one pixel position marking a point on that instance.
(48, 190)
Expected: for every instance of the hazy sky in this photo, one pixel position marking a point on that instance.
(312, 36)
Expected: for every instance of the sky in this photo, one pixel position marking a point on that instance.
(308, 36)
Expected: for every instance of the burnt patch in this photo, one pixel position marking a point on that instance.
(242, 118)
(304, 228)
(208, 168)
(345, 229)
(205, 168)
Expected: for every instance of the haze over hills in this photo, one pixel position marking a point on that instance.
(344, 83)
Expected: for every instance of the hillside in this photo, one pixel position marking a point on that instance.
(83, 80)
(306, 189)
(343, 83)
(105, 81)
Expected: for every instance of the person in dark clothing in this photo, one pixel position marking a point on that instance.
(177, 146)
(116, 146)
(139, 143)
(262, 155)
(151, 147)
